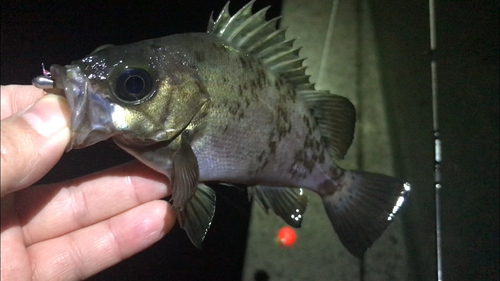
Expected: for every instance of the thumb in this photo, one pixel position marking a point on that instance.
(33, 140)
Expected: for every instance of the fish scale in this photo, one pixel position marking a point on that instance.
(232, 105)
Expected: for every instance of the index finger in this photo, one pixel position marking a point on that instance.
(17, 97)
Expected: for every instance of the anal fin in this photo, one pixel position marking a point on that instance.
(288, 203)
(196, 216)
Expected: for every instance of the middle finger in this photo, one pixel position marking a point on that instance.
(49, 211)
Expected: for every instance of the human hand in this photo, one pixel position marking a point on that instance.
(73, 229)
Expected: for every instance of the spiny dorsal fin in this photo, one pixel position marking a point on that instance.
(254, 35)
(251, 33)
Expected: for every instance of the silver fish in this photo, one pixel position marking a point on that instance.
(232, 105)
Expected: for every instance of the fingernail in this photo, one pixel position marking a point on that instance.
(48, 115)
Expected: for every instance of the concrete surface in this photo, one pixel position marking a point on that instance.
(342, 58)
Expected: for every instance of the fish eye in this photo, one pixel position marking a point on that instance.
(133, 85)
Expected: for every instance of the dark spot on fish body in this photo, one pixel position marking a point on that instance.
(226, 127)
(232, 110)
(316, 120)
(319, 158)
(292, 170)
(282, 132)
(272, 146)
(293, 95)
(299, 158)
(244, 87)
(283, 123)
(328, 187)
(336, 172)
(283, 114)
(261, 156)
(278, 83)
(306, 121)
(271, 136)
(156, 47)
(308, 142)
(296, 172)
(239, 90)
(259, 79)
(256, 84)
(266, 161)
(244, 62)
(199, 56)
(309, 164)
(317, 145)
(261, 74)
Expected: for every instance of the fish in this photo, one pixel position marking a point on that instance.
(231, 105)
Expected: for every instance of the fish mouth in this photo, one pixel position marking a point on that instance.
(91, 120)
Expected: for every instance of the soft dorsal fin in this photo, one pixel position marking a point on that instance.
(252, 34)
(336, 119)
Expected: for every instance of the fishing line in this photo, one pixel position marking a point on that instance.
(437, 140)
(328, 40)
(360, 104)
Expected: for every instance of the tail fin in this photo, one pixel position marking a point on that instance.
(363, 206)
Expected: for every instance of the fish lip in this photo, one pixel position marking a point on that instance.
(90, 120)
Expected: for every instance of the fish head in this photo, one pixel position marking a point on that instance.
(140, 93)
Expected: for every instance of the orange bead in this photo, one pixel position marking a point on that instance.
(286, 236)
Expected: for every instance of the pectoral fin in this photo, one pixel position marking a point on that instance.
(185, 174)
(288, 203)
(197, 214)
(175, 159)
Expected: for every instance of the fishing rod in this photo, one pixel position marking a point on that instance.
(435, 122)
(437, 140)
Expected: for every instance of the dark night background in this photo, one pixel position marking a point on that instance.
(32, 33)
